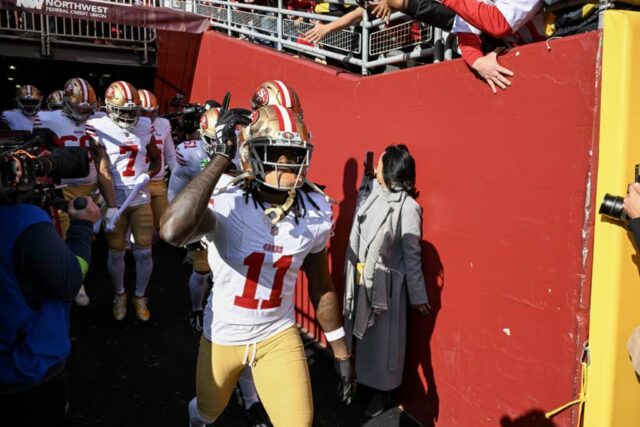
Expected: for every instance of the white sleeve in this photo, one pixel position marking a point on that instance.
(179, 179)
(169, 151)
(462, 26)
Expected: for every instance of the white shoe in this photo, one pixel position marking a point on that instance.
(195, 420)
(82, 299)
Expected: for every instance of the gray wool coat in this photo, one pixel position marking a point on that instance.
(386, 235)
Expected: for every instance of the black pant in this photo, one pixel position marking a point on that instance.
(42, 406)
(431, 13)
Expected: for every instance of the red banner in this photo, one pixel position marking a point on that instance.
(159, 18)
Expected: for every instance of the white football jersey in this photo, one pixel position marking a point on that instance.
(164, 142)
(68, 134)
(516, 12)
(190, 160)
(16, 120)
(255, 265)
(127, 154)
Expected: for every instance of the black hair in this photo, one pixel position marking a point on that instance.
(399, 170)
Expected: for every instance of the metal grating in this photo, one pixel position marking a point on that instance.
(345, 40)
(257, 21)
(400, 36)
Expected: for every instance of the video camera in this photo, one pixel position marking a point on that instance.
(613, 206)
(21, 165)
(186, 119)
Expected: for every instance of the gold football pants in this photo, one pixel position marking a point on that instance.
(280, 372)
(159, 202)
(140, 219)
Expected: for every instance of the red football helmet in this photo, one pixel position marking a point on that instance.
(123, 104)
(275, 92)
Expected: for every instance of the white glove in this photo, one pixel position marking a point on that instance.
(109, 219)
(142, 179)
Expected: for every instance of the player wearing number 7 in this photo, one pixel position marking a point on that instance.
(127, 139)
(261, 231)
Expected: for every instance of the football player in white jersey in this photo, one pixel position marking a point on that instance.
(68, 126)
(134, 158)
(260, 234)
(29, 100)
(157, 186)
(192, 156)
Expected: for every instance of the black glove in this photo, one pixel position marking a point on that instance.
(226, 128)
(347, 385)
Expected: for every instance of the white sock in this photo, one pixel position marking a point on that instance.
(144, 268)
(248, 388)
(115, 266)
(195, 419)
(197, 289)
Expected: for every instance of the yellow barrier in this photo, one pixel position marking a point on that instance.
(613, 395)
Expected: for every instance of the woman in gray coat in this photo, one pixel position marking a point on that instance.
(383, 268)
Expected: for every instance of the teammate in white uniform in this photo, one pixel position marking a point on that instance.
(29, 100)
(260, 234)
(128, 139)
(68, 126)
(191, 159)
(158, 186)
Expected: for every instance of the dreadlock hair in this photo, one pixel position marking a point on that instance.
(253, 188)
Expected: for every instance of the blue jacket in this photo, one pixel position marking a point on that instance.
(31, 341)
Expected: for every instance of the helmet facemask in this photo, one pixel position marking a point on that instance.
(29, 106)
(265, 153)
(79, 112)
(151, 113)
(125, 117)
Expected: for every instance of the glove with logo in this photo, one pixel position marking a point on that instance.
(226, 129)
(347, 385)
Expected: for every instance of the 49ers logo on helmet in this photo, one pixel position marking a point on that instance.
(254, 116)
(68, 90)
(262, 96)
(204, 123)
(110, 92)
(287, 135)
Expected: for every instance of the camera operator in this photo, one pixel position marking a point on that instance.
(631, 208)
(40, 275)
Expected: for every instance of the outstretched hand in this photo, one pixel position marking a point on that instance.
(381, 10)
(317, 33)
(492, 72)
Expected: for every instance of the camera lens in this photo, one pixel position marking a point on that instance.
(612, 206)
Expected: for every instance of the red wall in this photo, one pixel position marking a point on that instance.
(176, 62)
(503, 183)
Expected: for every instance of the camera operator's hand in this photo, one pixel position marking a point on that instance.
(347, 385)
(226, 128)
(90, 213)
(632, 201)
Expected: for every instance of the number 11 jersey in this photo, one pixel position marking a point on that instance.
(255, 265)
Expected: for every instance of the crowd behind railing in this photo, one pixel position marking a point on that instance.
(401, 32)
(397, 33)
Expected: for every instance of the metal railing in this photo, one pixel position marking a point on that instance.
(367, 45)
(25, 26)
